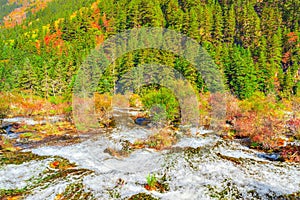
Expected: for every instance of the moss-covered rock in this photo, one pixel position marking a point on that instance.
(142, 196)
(75, 191)
(18, 158)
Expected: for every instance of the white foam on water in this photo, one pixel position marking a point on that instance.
(31, 122)
(185, 182)
(49, 192)
(17, 176)
(191, 174)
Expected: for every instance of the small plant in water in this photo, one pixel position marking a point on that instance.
(151, 182)
(154, 184)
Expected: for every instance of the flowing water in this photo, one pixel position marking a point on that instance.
(200, 166)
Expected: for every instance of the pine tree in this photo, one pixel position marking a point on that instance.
(27, 77)
(174, 15)
(275, 57)
(218, 25)
(263, 67)
(207, 25)
(243, 81)
(193, 30)
(230, 26)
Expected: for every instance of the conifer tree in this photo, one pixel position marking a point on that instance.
(218, 24)
(243, 81)
(230, 25)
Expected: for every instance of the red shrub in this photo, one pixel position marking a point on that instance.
(291, 153)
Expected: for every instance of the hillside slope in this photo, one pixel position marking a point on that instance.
(255, 44)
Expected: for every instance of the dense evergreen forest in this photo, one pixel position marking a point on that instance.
(255, 43)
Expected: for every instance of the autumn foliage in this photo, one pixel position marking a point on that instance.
(26, 104)
(267, 123)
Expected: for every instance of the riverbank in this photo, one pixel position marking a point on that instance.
(260, 123)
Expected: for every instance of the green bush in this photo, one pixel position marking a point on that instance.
(4, 108)
(55, 100)
(162, 103)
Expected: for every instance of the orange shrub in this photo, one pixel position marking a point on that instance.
(135, 101)
(24, 103)
(103, 102)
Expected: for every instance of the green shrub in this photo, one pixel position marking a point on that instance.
(55, 100)
(162, 103)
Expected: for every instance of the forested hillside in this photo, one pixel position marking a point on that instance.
(150, 115)
(255, 43)
(6, 8)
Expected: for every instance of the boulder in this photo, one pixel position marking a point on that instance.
(271, 156)
(9, 128)
(142, 121)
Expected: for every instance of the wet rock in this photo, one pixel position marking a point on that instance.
(228, 190)
(116, 153)
(293, 196)
(246, 142)
(232, 159)
(142, 121)
(270, 156)
(18, 158)
(75, 191)
(9, 128)
(54, 140)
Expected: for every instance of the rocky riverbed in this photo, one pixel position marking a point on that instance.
(114, 165)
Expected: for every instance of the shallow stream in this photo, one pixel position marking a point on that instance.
(200, 166)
